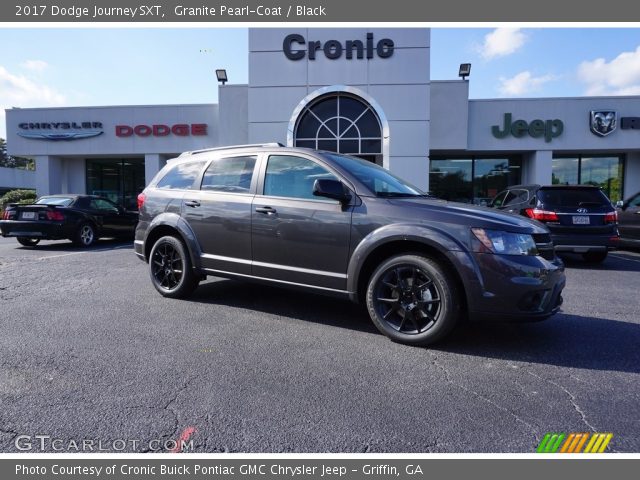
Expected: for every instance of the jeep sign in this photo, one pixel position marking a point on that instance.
(549, 129)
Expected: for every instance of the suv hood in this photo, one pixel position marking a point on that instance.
(471, 215)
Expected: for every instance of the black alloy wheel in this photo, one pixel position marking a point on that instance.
(411, 300)
(170, 268)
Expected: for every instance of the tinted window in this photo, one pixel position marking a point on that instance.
(561, 197)
(635, 201)
(229, 174)
(516, 196)
(63, 201)
(289, 176)
(101, 204)
(181, 176)
(376, 178)
(498, 201)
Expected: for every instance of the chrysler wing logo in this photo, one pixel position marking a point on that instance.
(61, 136)
(603, 122)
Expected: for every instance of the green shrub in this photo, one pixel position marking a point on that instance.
(17, 196)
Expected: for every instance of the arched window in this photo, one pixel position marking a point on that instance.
(340, 122)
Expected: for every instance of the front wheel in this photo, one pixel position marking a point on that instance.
(28, 241)
(170, 268)
(412, 300)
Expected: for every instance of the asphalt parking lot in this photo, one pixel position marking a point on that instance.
(89, 350)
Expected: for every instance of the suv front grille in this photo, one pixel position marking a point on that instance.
(544, 245)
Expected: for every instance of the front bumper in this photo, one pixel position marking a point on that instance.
(517, 288)
(42, 230)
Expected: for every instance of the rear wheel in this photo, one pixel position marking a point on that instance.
(594, 257)
(28, 241)
(85, 235)
(413, 300)
(170, 268)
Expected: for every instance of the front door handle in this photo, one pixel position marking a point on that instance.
(192, 203)
(267, 210)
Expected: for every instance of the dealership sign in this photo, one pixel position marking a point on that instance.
(162, 130)
(602, 122)
(547, 129)
(296, 47)
(60, 130)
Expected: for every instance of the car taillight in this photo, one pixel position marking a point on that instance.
(141, 198)
(55, 215)
(611, 217)
(541, 215)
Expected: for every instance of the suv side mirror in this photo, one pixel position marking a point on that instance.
(619, 204)
(331, 188)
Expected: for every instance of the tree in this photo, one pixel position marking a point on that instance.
(8, 161)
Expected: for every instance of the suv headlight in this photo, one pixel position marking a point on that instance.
(503, 243)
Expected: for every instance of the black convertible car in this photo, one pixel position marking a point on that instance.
(80, 218)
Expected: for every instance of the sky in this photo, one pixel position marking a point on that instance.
(47, 67)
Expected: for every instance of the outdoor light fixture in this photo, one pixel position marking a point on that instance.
(465, 70)
(222, 75)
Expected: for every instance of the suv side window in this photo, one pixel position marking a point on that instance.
(181, 176)
(499, 200)
(232, 174)
(290, 176)
(635, 201)
(516, 196)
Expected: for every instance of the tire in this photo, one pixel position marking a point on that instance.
(85, 235)
(28, 241)
(595, 257)
(170, 268)
(412, 300)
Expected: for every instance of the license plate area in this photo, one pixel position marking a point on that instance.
(581, 220)
(28, 215)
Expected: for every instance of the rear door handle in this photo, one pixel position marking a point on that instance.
(267, 210)
(192, 203)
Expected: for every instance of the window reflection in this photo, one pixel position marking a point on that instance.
(472, 180)
(605, 172)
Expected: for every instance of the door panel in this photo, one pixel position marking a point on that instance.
(220, 213)
(629, 219)
(297, 237)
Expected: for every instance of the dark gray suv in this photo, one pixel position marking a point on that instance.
(343, 226)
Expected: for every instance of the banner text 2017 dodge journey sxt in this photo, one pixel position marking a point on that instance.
(343, 226)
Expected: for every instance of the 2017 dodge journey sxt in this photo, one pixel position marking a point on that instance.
(339, 225)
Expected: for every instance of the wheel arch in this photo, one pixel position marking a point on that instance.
(379, 246)
(174, 225)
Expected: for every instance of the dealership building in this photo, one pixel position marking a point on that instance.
(366, 92)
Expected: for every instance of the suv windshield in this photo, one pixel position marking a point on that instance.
(572, 197)
(379, 180)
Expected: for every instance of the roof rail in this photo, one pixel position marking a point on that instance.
(250, 145)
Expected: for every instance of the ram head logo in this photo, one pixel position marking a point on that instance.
(603, 122)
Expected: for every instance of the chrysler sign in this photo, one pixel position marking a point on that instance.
(59, 130)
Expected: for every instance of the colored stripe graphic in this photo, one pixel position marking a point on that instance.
(573, 442)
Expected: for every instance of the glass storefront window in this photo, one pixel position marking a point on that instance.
(565, 171)
(605, 172)
(119, 180)
(474, 179)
